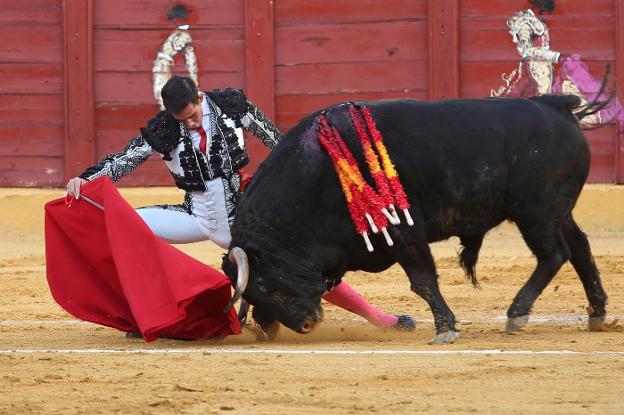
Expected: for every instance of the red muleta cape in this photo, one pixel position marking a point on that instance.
(107, 267)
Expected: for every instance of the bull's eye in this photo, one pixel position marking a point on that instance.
(261, 287)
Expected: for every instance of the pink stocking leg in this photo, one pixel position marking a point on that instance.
(344, 296)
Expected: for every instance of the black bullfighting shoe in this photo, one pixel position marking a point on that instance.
(404, 323)
(134, 335)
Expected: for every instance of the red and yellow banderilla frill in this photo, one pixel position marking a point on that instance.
(367, 206)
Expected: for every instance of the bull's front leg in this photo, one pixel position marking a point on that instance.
(267, 326)
(413, 253)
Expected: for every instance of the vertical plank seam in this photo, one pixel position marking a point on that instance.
(443, 22)
(260, 59)
(78, 89)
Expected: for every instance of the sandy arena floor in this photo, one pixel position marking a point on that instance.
(52, 363)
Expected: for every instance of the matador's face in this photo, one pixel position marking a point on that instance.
(191, 115)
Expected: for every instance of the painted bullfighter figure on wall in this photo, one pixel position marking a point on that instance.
(542, 70)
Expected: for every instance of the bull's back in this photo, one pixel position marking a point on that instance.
(465, 162)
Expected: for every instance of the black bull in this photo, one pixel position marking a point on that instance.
(466, 166)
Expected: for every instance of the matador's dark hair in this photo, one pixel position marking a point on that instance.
(178, 92)
(544, 5)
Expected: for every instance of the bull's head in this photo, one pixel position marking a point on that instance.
(294, 303)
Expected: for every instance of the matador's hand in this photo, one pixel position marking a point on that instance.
(74, 185)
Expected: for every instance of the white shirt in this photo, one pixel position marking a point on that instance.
(209, 206)
(195, 136)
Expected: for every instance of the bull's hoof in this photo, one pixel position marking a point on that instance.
(597, 323)
(445, 338)
(271, 331)
(405, 322)
(516, 323)
(254, 327)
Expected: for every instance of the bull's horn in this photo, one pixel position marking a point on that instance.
(239, 256)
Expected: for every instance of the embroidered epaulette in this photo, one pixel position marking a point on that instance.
(232, 102)
(162, 133)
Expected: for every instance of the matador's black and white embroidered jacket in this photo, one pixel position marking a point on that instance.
(230, 112)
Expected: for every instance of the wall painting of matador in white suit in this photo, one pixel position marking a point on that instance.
(542, 70)
(179, 41)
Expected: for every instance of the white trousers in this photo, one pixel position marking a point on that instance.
(208, 220)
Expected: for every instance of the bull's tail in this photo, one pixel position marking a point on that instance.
(600, 102)
(571, 104)
(468, 256)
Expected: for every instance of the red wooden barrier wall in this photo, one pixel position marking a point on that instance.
(76, 79)
(31, 93)
(329, 51)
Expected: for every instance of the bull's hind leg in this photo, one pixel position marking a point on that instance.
(413, 253)
(583, 262)
(549, 247)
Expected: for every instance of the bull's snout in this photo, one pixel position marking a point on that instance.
(307, 327)
(311, 322)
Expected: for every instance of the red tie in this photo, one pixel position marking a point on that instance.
(204, 139)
